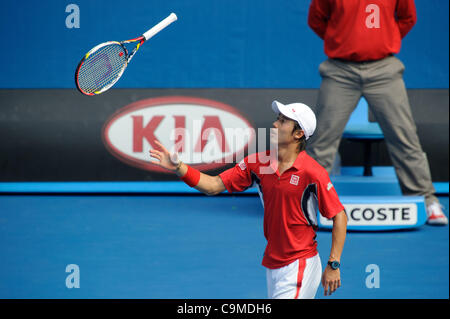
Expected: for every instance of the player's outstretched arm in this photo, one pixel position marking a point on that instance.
(210, 185)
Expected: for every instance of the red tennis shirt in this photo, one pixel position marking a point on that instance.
(290, 203)
(358, 30)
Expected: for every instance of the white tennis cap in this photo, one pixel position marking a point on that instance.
(299, 112)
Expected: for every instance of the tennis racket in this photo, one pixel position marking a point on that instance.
(104, 64)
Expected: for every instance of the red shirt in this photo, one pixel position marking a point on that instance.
(290, 203)
(360, 30)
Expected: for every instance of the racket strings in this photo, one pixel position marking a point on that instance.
(102, 68)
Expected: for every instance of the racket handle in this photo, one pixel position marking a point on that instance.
(164, 23)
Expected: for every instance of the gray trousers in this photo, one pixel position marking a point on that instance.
(381, 83)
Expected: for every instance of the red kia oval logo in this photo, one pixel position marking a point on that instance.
(206, 134)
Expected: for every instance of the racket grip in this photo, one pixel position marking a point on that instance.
(164, 23)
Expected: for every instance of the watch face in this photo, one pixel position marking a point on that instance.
(334, 264)
(174, 158)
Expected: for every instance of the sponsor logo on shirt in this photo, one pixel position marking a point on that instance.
(294, 180)
(242, 165)
(329, 186)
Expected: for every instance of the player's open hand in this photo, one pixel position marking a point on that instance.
(331, 280)
(164, 158)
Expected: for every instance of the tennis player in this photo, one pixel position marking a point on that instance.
(292, 186)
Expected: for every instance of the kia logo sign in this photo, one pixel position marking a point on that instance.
(206, 134)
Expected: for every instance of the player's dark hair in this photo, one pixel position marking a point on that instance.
(302, 140)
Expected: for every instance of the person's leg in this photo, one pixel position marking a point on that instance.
(282, 282)
(270, 282)
(385, 92)
(339, 94)
(312, 276)
(298, 280)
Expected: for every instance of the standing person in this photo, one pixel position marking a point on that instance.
(292, 187)
(360, 40)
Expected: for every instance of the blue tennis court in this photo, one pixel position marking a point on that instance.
(188, 246)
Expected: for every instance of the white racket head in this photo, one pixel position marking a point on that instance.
(101, 68)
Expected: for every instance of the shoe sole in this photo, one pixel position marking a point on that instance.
(437, 222)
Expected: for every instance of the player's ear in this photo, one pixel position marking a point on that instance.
(298, 134)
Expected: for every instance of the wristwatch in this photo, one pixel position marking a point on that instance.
(334, 264)
(175, 160)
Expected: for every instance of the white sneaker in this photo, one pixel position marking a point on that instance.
(435, 215)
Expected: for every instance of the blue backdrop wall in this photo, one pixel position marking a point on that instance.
(215, 43)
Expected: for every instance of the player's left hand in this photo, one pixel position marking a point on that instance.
(165, 159)
(331, 280)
